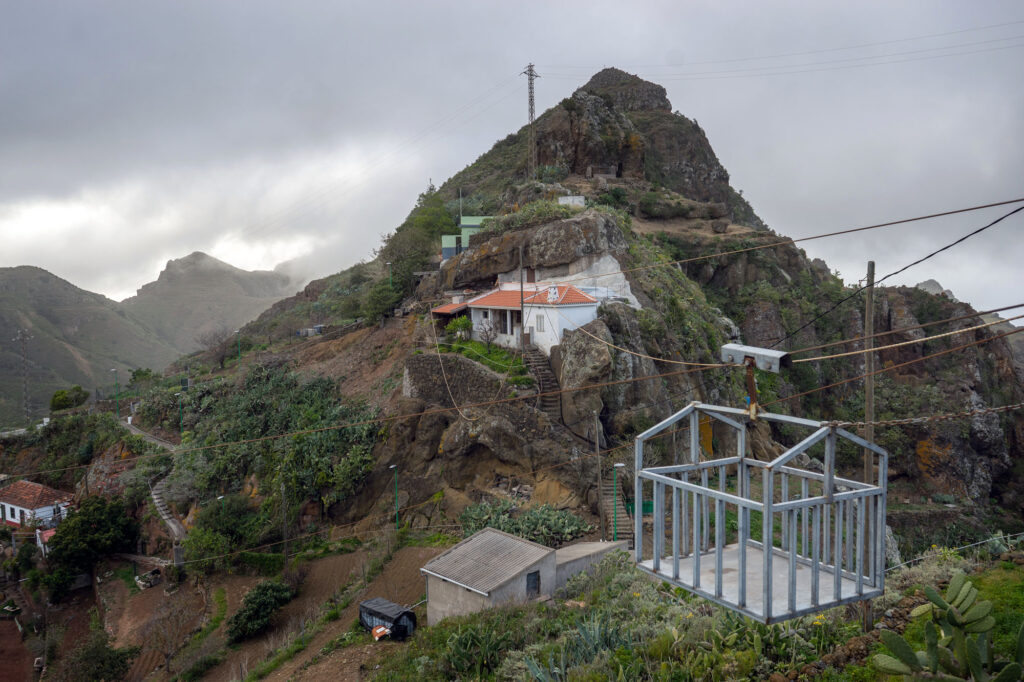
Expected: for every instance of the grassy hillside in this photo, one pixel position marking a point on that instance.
(78, 337)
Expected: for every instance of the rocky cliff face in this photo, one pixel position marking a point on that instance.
(617, 125)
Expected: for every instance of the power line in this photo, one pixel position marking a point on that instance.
(787, 241)
(531, 75)
(900, 270)
(779, 72)
(806, 52)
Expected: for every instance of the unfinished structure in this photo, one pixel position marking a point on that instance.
(773, 546)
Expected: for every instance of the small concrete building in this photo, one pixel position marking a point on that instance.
(492, 567)
(486, 569)
(582, 556)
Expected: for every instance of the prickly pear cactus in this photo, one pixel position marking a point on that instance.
(956, 639)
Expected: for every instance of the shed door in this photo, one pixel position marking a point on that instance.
(533, 584)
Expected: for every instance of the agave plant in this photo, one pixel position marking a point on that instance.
(957, 640)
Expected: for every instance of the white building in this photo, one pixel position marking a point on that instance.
(23, 503)
(550, 309)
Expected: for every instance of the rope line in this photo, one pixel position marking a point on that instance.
(864, 351)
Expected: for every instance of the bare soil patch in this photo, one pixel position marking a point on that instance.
(325, 577)
(400, 582)
(15, 658)
(365, 362)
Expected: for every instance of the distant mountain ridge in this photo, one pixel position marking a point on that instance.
(199, 293)
(78, 336)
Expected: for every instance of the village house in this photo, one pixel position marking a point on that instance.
(25, 503)
(550, 309)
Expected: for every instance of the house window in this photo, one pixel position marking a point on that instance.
(533, 584)
(503, 323)
(540, 323)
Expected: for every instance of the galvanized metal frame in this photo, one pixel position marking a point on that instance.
(821, 520)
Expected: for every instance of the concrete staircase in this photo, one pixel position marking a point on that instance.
(537, 363)
(173, 525)
(615, 508)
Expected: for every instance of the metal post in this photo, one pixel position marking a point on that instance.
(522, 320)
(600, 477)
(117, 404)
(391, 283)
(867, 617)
(615, 501)
(238, 338)
(395, 467)
(638, 510)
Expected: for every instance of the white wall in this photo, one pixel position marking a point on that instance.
(41, 515)
(556, 321)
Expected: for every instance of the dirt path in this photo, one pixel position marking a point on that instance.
(15, 658)
(400, 582)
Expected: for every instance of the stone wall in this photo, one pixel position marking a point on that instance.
(469, 381)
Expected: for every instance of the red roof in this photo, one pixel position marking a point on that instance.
(509, 298)
(449, 308)
(32, 496)
(47, 534)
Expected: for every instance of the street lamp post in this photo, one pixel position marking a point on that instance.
(615, 502)
(181, 414)
(117, 404)
(238, 338)
(395, 467)
(391, 284)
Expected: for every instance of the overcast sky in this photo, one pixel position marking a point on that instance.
(135, 132)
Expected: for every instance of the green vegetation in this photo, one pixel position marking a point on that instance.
(957, 637)
(98, 528)
(325, 462)
(258, 606)
(95, 658)
(74, 439)
(495, 358)
(66, 398)
(530, 215)
(543, 524)
(631, 628)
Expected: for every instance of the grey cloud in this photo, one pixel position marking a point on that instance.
(209, 111)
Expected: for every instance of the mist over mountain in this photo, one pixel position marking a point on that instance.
(78, 336)
(199, 293)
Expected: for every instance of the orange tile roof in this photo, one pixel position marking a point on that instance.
(32, 496)
(449, 308)
(509, 298)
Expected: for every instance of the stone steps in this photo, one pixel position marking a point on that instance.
(614, 505)
(547, 383)
(174, 525)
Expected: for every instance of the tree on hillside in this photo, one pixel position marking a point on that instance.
(488, 333)
(95, 659)
(217, 343)
(67, 398)
(98, 528)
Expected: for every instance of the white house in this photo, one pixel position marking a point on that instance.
(24, 502)
(550, 309)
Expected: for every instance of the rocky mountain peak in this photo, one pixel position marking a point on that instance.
(628, 92)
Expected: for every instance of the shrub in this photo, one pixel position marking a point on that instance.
(544, 524)
(66, 398)
(957, 639)
(460, 327)
(258, 606)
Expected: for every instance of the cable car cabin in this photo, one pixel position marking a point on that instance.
(397, 621)
(714, 518)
